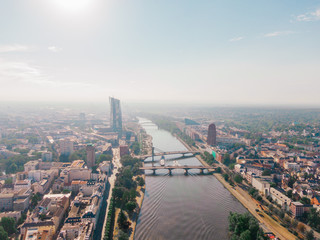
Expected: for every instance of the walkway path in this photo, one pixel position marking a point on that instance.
(112, 179)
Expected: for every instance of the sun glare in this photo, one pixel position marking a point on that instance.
(73, 6)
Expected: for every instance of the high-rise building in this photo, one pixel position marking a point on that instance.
(66, 146)
(115, 115)
(124, 150)
(91, 155)
(212, 135)
(46, 156)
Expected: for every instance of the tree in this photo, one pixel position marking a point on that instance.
(74, 156)
(123, 235)
(22, 219)
(294, 223)
(291, 182)
(289, 193)
(313, 218)
(141, 181)
(64, 158)
(33, 139)
(117, 193)
(226, 159)
(266, 172)
(305, 200)
(231, 166)
(245, 227)
(237, 178)
(259, 198)
(42, 216)
(252, 191)
(301, 227)
(12, 168)
(8, 181)
(104, 157)
(246, 235)
(34, 199)
(226, 177)
(122, 221)
(135, 148)
(8, 224)
(3, 234)
(94, 169)
(131, 206)
(309, 235)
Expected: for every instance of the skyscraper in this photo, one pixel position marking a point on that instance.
(91, 155)
(115, 115)
(212, 135)
(66, 147)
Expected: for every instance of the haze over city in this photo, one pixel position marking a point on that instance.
(207, 52)
(149, 120)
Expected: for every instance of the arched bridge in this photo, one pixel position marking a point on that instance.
(185, 167)
(170, 153)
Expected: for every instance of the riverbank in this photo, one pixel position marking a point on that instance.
(139, 200)
(146, 142)
(266, 221)
(245, 199)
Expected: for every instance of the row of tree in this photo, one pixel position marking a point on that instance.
(245, 227)
(208, 158)
(125, 192)
(108, 233)
(8, 227)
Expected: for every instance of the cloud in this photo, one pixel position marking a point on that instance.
(54, 49)
(236, 39)
(14, 48)
(279, 33)
(309, 16)
(24, 72)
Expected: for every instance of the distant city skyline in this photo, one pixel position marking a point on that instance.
(207, 52)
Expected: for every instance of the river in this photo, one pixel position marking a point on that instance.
(179, 206)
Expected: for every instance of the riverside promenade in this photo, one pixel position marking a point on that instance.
(267, 223)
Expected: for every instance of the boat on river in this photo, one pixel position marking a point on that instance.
(162, 163)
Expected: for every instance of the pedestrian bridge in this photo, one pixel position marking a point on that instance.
(186, 168)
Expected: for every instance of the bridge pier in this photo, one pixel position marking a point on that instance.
(170, 171)
(154, 171)
(185, 171)
(201, 171)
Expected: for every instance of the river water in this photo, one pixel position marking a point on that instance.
(182, 207)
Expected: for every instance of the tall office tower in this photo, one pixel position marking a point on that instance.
(212, 135)
(115, 115)
(91, 156)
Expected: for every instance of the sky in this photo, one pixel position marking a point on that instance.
(201, 52)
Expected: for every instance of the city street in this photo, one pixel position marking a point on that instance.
(112, 179)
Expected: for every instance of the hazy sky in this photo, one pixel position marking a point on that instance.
(214, 52)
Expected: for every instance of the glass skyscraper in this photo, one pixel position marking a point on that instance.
(115, 115)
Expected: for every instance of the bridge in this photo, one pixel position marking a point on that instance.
(169, 153)
(186, 168)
